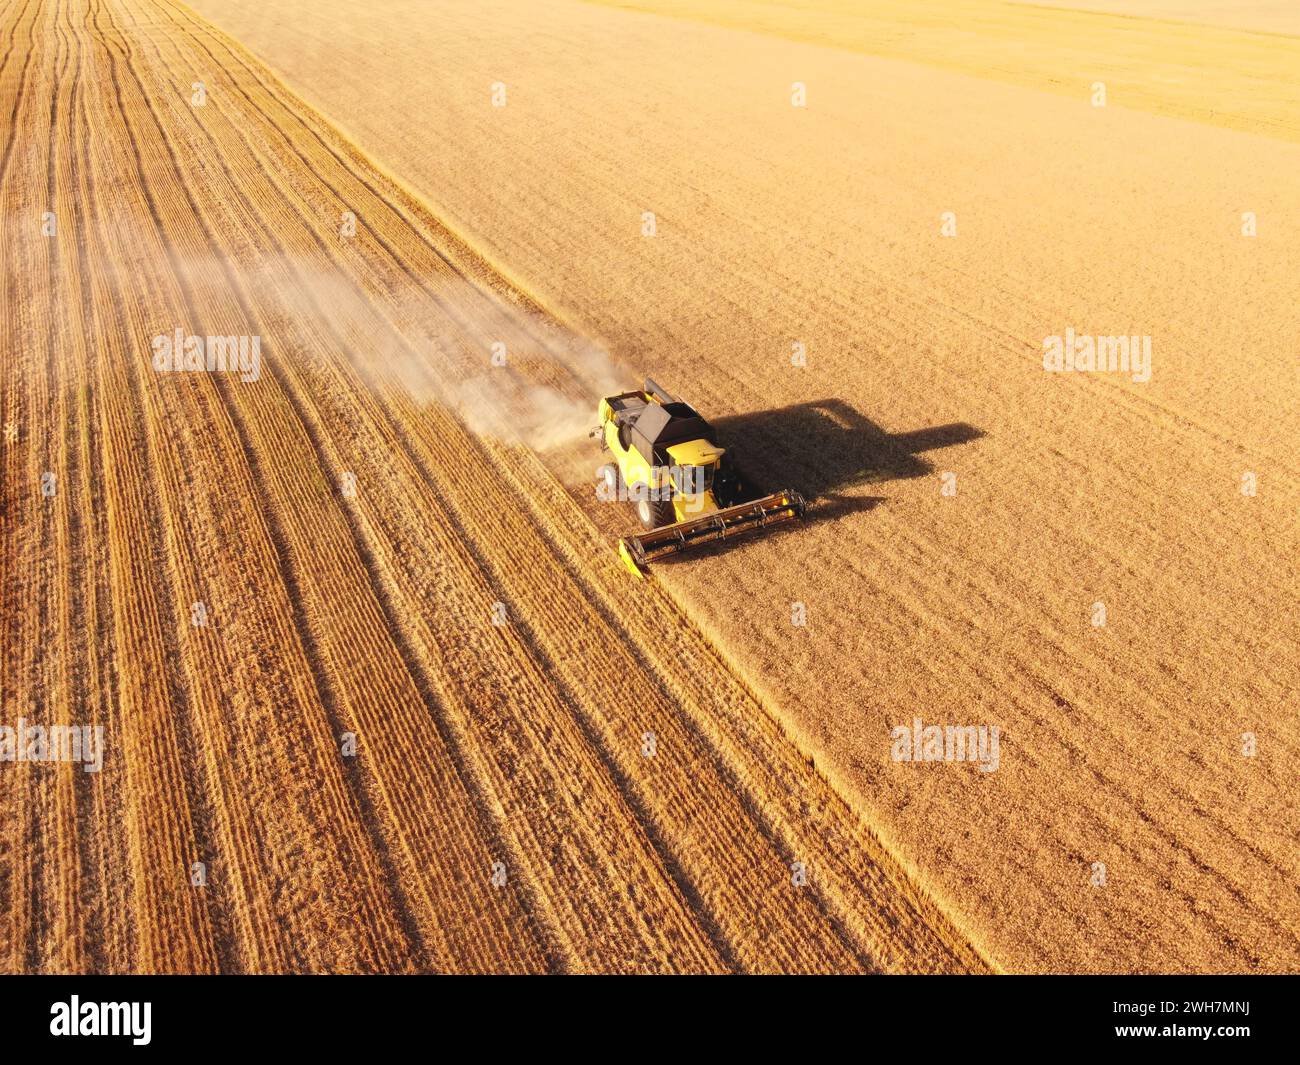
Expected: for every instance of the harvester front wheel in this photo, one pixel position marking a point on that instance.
(653, 513)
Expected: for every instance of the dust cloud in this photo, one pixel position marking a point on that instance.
(507, 373)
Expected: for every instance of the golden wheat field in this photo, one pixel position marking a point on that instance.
(371, 688)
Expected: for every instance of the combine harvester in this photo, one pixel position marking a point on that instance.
(684, 487)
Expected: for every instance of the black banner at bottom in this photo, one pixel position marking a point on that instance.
(1225, 1014)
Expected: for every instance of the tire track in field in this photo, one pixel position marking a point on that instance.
(17, 878)
(202, 828)
(45, 827)
(100, 800)
(11, 36)
(91, 705)
(65, 946)
(12, 137)
(53, 655)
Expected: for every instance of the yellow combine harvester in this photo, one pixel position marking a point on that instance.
(684, 488)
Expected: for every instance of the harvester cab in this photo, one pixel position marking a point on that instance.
(682, 485)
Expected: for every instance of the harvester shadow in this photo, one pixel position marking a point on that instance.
(824, 447)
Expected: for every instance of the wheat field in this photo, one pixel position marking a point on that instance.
(376, 692)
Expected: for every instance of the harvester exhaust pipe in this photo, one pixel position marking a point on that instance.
(638, 551)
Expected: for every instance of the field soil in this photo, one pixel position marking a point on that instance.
(848, 247)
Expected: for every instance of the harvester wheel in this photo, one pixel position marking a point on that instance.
(654, 513)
